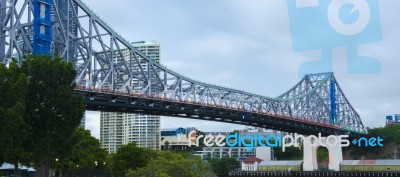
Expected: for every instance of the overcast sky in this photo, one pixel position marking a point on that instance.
(247, 44)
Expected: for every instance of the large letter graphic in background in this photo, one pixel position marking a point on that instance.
(326, 24)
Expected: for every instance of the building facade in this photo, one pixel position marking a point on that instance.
(263, 153)
(177, 138)
(117, 128)
(111, 130)
(250, 163)
(392, 119)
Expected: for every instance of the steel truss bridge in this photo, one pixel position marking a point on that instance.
(113, 76)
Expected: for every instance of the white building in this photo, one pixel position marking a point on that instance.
(263, 153)
(144, 130)
(250, 164)
(117, 128)
(177, 138)
(111, 130)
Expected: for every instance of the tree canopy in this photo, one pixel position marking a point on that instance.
(52, 110)
(83, 150)
(38, 111)
(82, 153)
(391, 145)
(130, 157)
(224, 165)
(14, 131)
(170, 164)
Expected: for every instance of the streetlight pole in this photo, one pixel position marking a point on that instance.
(94, 170)
(57, 167)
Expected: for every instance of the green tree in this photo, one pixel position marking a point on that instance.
(390, 149)
(322, 158)
(130, 157)
(169, 164)
(224, 165)
(83, 151)
(14, 131)
(52, 111)
(166, 145)
(291, 153)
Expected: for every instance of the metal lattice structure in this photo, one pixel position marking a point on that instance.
(114, 76)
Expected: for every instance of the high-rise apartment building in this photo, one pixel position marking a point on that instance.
(117, 128)
(111, 130)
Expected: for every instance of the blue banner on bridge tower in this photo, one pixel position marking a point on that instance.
(333, 100)
(42, 27)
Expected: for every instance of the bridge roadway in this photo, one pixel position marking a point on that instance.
(102, 100)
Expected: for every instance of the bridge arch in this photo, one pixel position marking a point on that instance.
(322, 158)
(310, 160)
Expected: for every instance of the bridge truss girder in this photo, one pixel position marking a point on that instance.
(106, 63)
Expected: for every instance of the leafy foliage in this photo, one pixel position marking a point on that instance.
(322, 158)
(169, 164)
(38, 112)
(83, 151)
(291, 153)
(14, 131)
(391, 145)
(130, 157)
(82, 154)
(223, 166)
(52, 110)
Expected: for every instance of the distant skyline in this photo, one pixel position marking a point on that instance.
(247, 45)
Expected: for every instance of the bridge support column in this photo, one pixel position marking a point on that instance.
(310, 147)
(310, 157)
(335, 157)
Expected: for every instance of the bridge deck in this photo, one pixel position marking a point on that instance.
(102, 100)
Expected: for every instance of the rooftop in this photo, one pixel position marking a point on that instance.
(281, 163)
(252, 159)
(371, 162)
(7, 166)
